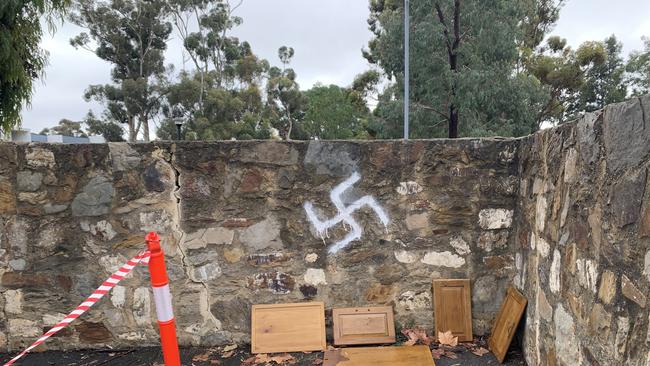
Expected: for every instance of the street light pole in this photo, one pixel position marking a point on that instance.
(179, 123)
(407, 29)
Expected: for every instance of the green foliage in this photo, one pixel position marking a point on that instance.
(111, 131)
(563, 70)
(464, 58)
(638, 68)
(21, 58)
(285, 102)
(65, 127)
(225, 113)
(332, 113)
(132, 35)
(604, 81)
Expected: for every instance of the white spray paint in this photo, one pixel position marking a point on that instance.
(345, 214)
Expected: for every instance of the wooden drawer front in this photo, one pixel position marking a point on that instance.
(372, 325)
(288, 328)
(380, 356)
(453, 308)
(506, 323)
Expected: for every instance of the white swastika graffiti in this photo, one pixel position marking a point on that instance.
(345, 214)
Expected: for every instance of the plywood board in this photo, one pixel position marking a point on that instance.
(452, 308)
(288, 327)
(506, 323)
(371, 325)
(380, 356)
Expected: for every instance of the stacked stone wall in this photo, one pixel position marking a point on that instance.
(236, 230)
(583, 239)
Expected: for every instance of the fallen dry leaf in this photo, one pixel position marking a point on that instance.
(229, 348)
(480, 351)
(447, 339)
(416, 335)
(265, 359)
(215, 362)
(227, 354)
(285, 359)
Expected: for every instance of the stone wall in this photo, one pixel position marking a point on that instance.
(583, 239)
(564, 215)
(236, 230)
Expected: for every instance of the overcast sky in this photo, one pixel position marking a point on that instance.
(327, 35)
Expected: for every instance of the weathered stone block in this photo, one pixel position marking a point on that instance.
(419, 221)
(23, 328)
(600, 321)
(7, 197)
(491, 240)
(627, 196)
(264, 234)
(91, 332)
(315, 277)
(29, 181)
(443, 259)
(567, 345)
(340, 159)
(380, 294)
(40, 157)
(410, 300)
(95, 198)
(625, 134)
(630, 291)
(495, 218)
(607, 289)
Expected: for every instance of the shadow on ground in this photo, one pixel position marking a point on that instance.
(207, 357)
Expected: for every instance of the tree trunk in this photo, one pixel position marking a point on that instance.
(453, 43)
(290, 126)
(453, 121)
(132, 132)
(145, 127)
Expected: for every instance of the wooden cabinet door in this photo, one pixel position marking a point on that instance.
(452, 308)
(506, 323)
(372, 325)
(379, 356)
(288, 327)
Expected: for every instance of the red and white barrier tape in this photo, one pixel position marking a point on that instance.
(105, 288)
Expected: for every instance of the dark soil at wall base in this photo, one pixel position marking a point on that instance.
(153, 357)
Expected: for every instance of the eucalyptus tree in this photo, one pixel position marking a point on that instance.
(638, 68)
(132, 35)
(285, 101)
(22, 60)
(562, 71)
(464, 77)
(603, 82)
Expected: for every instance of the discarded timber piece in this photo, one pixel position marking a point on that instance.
(379, 356)
(506, 323)
(371, 325)
(452, 308)
(288, 328)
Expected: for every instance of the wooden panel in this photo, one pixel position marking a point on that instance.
(380, 356)
(506, 323)
(288, 327)
(373, 325)
(453, 308)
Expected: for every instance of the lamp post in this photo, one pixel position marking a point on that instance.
(178, 121)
